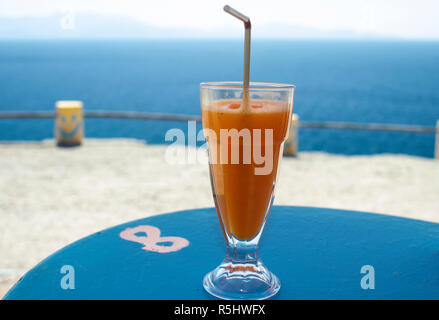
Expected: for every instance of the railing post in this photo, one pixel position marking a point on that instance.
(69, 125)
(292, 142)
(436, 153)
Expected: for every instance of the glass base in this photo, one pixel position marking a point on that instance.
(232, 281)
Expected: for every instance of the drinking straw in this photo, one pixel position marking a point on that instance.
(247, 36)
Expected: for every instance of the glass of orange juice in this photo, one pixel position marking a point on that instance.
(245, 128)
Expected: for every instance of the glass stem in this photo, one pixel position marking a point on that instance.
(242, 252)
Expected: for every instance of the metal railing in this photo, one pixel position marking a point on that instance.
(183, 117)
(368, 126)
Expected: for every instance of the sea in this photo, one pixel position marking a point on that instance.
(381, 81)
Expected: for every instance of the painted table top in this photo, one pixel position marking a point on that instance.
(317, 253)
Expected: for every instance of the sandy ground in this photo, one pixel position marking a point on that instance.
(52, 196)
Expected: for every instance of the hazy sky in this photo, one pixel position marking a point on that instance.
(400, 18)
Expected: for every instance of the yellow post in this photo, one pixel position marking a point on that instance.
(292, 143)
(69, 127)
(436, 153)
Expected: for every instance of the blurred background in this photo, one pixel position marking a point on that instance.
(351, 61)
(356, 61)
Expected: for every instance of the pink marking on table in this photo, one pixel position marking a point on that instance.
(152, 239)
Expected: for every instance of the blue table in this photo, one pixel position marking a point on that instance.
(317, 253)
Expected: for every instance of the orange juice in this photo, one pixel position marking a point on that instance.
(244, 189)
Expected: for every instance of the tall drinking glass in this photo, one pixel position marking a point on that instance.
(245, 128)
